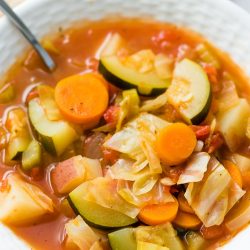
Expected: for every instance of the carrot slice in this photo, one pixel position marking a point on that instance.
(158, 213)
(175, 143)
(82, 98)
(186, 220)
(246, 179)
(234, 172)
(212, 232)
(183, 204)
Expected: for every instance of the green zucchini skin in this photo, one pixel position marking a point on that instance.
(95, 224)
(120, 83)
(204, 112)
(55, 136)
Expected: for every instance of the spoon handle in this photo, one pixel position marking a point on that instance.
(28, 35)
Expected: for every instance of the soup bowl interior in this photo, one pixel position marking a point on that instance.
(221, 22)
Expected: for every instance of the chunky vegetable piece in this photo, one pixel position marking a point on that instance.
(215, 195)
(175, 143)
(19, 139)
(233, 124)
(190, 91)
(123, 239)
(47, 98)
(23, 203)
(163, 235)
(69, 174)
(80, 233)
(32, 156)
(55, 136)
(82, 98)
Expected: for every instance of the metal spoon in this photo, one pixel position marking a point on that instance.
(28, 35)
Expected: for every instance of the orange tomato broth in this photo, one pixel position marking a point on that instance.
(77, 48)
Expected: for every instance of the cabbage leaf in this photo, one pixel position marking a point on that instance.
(214, 195)
(103, 191)
(195, 168)
(136, 140)
(80, 233)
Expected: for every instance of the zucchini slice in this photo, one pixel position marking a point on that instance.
(97, 215)
(32, 156)
(190, 91)
(127, 78)
(55, 136)
(17, 125)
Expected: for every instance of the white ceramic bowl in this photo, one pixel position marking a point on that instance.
(222, 22)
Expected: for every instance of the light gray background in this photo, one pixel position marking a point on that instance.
(245, 4)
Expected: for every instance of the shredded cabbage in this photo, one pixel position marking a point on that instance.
(195, 168)
(215, 195)
(125, 170)
(163, 235)
(136, 140)
(144, 184)
(156, 195)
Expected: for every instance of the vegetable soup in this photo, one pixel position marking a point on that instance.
(139, 140)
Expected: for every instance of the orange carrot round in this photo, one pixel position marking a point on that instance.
(158, 213)
(234, 172)
(82, 98)
(186, 220)
(212, 232)
(183, 204)
(175, 143)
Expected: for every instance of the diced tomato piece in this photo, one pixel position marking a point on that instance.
(110, 156)
(36, 173)
(216, 142)
(201, 132)
(111, 114)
